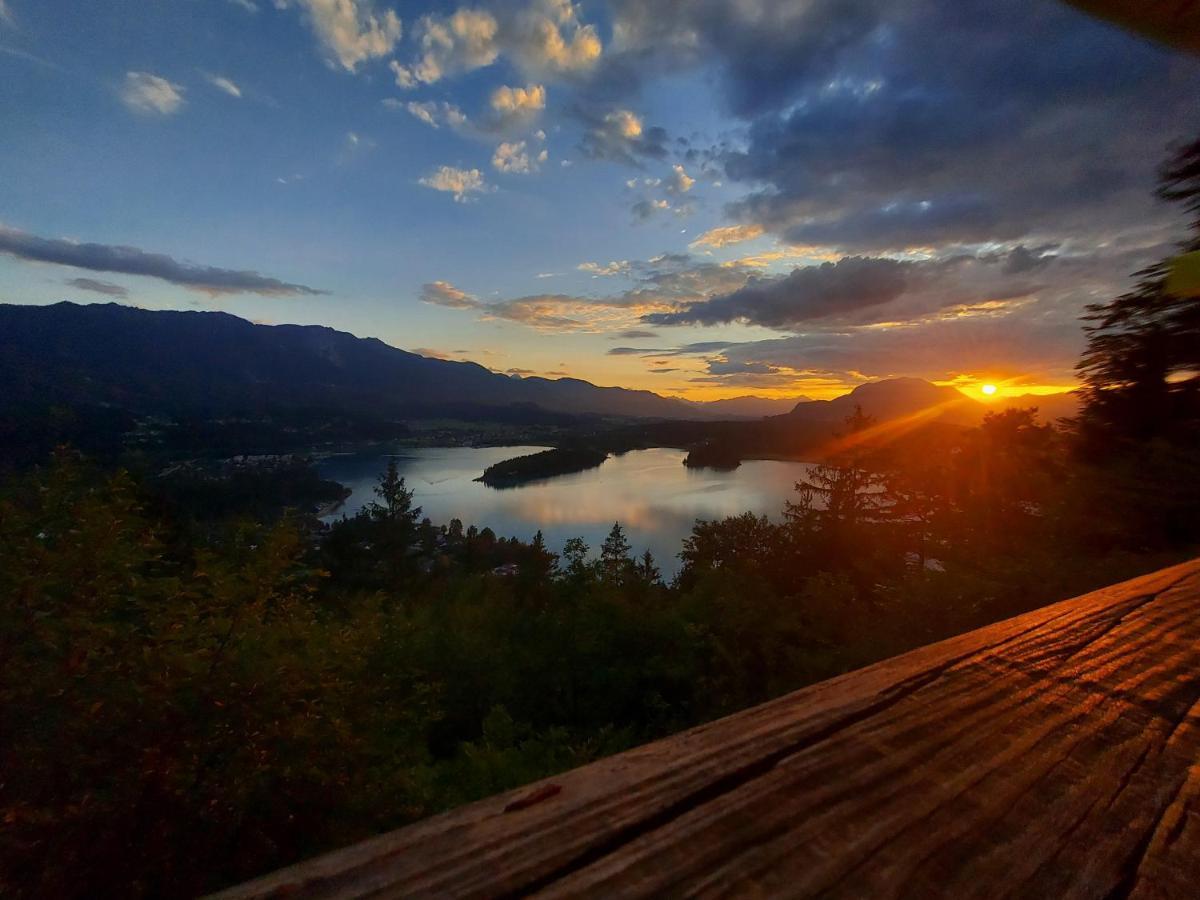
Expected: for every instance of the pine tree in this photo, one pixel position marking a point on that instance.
(541, 562)
(397, 499)
(396, 518)
(838, 494)
(647, 571)
(614, 555)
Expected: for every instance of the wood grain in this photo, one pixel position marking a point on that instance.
(1056, 754)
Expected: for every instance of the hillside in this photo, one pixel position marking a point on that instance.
(896, 398)
(892, 399)
(747, 407)
(212, 363)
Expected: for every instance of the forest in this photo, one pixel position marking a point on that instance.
(197, 690)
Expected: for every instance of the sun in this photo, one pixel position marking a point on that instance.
(988, 389)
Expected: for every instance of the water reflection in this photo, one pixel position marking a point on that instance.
(650, 492)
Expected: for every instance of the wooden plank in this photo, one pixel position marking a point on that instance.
(1056, 754)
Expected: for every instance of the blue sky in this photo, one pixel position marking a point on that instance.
(702, 198)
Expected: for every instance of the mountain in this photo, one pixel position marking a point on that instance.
(894, 398)
(212, 363)
(748, 407)
(897, 398)
(1050, 407)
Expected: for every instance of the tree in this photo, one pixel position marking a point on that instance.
(838, 495)
(540, 562)
(397, 519)
(646, 570)
(575, 553)
(615, 563)
(397, 500)
(1141, 367)
(745, 544)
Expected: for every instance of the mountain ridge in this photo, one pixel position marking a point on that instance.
(204, 361)
(215, 363)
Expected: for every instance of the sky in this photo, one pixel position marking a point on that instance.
(704, 198)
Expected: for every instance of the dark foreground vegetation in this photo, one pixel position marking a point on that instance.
(536, 466)
(193, 693)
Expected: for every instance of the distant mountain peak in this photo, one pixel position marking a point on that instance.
(890, 398)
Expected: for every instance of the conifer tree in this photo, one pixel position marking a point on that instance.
(614, 555)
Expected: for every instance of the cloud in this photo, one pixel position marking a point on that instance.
(432, 113)
(545, 38)
(644, 209)
(1023, 259)
(6, 15)
(616, 267)
(916, 142)
(726, 235)
(248, 5)
(872, 127)
(761, 49)
(919, 132)
(510, 109)
(426, 112)
(220, 82)
(132, 261)
(633, 334)
(954, 316)
(665, 283)
(430, 352)
(548, 37)
(809, 292)
(353, 146)
(107, 288)
(443, 293)
(701, 348)
(1032, 345)
(462, 183)
(514, 159)
(679, 182)
(620, 135)
(515, 107)
(350, 32)
(852, 293)
(150, 94)
(463, 42)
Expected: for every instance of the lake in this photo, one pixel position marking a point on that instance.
(650, 492)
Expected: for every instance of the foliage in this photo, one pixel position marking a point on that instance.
(187, 707)
(1141, 368)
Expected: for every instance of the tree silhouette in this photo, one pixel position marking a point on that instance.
(646, 569)
(397, 499)
(397, 519)
(838, 494)
(615, 563)
(1141, 367)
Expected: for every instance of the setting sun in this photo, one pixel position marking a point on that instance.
(989, 389)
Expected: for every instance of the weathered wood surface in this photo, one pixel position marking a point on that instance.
(1056, 754)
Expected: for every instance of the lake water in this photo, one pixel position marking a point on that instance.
(650, 492)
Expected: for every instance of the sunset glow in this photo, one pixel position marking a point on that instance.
(660, 257)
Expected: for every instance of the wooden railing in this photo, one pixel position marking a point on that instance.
(1056, 754)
